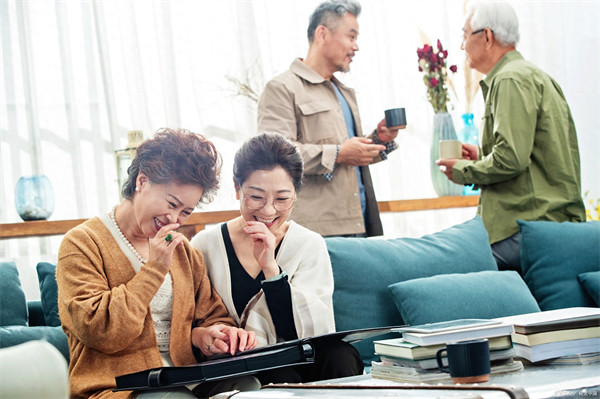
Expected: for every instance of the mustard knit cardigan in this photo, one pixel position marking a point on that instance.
(104, 308)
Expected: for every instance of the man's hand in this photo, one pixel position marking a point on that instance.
(358, 151)
(446, 166)
(470, 151)
(385, 134)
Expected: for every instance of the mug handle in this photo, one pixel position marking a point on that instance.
(438, 358)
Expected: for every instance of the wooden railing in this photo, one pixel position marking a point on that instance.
(199, 220)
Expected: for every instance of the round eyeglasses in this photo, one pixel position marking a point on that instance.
(255, 202)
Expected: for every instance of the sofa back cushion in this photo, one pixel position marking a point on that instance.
(13, 306)
(553, 254)
(48, 292)
(363, 269)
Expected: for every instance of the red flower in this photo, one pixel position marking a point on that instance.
(420, 69)
(427, 49)
(453, 68)
(433, 82)
(439, 45)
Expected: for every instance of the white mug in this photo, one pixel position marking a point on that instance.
(450, 149)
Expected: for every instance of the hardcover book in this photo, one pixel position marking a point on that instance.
(399, 347)
(465, 333)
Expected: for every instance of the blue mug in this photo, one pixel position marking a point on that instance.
(468, 361)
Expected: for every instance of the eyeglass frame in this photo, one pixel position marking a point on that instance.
(474, 33)
(245, 196)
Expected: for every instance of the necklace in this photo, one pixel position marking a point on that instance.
(113, 219)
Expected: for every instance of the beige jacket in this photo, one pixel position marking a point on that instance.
(302, 105)
(104, 307)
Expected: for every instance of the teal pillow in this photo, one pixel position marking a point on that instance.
(13, 306)
(479, 295)
(553, 254)
(48, 293)
(363, 268)
(591, 283)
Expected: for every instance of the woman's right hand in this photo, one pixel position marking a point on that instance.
(161, 250)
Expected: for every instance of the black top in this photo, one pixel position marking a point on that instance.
(277, 293)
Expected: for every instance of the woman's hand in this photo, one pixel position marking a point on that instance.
(219, 338)
(161, 250)
(264, 244)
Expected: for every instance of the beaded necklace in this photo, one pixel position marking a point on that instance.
(113, 219)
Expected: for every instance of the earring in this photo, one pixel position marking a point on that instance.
(137, 189)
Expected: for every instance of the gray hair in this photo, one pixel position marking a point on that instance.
(329, 12)
(500, 17)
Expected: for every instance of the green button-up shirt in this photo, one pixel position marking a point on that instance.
(529, 157)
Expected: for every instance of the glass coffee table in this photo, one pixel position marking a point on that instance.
(558, 381)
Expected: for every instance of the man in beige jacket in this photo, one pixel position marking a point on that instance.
(310, 106)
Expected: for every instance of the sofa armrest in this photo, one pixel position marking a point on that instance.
(36, 314)
(15, 335)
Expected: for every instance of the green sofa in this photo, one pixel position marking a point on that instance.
(383, 282)
(452, 274)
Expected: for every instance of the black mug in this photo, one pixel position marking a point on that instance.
(468, 361)
(395, 118)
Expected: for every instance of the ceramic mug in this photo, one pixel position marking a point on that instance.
(450, 149)
(468, 361)
(395, 118)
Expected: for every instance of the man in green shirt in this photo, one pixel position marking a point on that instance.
(527, 164)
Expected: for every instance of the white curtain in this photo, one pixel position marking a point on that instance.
(76, 76)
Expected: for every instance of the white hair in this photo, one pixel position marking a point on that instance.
(499, 17)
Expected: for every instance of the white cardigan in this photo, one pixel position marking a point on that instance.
(303, 256)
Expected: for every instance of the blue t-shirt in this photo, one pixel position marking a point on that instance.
(349, 119)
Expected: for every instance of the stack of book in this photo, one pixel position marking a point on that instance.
(412, 358)
(563, 336)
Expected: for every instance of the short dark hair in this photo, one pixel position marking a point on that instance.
(176, 156)
(329, 12)
(267, 151)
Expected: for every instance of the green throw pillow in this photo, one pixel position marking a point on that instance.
(13, 306)
(480, 295)
(48, 293)
(591, 283)
(553, 255)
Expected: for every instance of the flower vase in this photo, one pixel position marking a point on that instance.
(34, 197)
(443, 129)
(470, 135)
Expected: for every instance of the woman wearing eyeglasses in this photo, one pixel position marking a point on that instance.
(274, 275)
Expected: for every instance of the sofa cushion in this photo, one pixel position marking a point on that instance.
(479, 295)
(363, 268)
(15, 335)
(591, 284)
(48, 292)
(553, 255)
(13, 306)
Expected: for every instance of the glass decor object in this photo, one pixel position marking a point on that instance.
(469, 134)
(443, 129)
(125, 156)
(34, 197)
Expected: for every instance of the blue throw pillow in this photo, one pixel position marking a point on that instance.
(553, 255)
(13, 306)
(363, 268)
(48, 293)
(479, 295)
(591, 283)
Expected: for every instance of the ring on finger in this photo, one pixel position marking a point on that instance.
(169, 238)
(208, 347)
